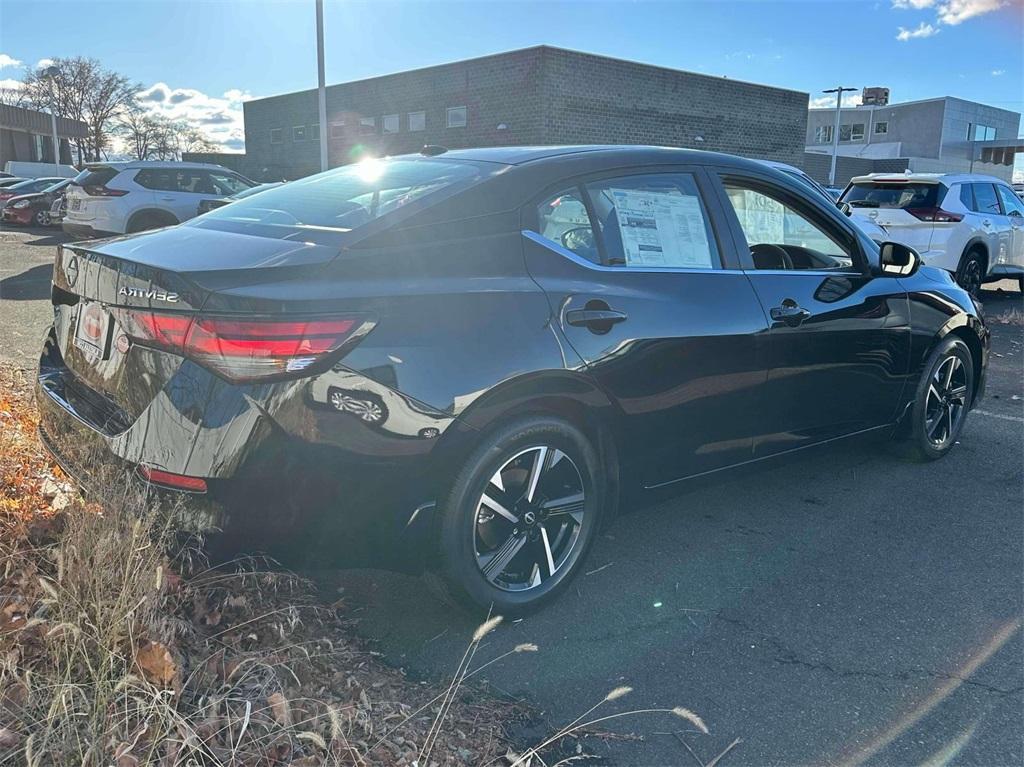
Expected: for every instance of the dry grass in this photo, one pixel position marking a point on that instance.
(118, 647)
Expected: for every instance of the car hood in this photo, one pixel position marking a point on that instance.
(33, 196)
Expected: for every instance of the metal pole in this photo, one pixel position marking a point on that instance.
(322, 87)
(50, 74)
(835, 131)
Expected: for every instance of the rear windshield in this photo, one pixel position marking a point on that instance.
(345, 198)
(892, 194)
(95, 175)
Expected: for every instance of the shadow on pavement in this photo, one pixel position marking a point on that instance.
(33, 285)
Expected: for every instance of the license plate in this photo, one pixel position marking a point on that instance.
(92, 335)
(76, 204)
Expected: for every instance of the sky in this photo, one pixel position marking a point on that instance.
(199, 59)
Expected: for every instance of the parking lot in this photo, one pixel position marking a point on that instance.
(845, 607)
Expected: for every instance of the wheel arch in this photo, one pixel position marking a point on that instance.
(978, 244)
(158, 214)
(970, 330)
(562, 394)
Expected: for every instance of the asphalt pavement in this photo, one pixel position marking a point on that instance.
(841, 607)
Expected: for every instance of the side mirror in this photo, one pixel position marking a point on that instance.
(898, 260)
(845, 208)
(579, 238)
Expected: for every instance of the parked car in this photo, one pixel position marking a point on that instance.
(33, 208)
(11, 181)
(205, 206)
(971, 225)
(28, 186)
(870, 228)
(694, 311)
(39, 169)
(125, 197)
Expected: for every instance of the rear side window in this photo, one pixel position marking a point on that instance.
(95, 175)
(967, 196)
(563, 218)
(985, 196)
(348, 197)
(893, 194)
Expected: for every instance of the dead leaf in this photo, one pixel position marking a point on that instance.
(9, 738)
(157, 664)
(281, 709)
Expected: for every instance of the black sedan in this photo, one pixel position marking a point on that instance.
(33, 208)
(467, 362)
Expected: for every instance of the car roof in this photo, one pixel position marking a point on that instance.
(139, 164)
(928, 178)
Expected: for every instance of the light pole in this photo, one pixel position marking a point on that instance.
(321, 85)
(49, 74)
(835, 131)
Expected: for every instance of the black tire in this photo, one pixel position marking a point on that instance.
(42, 218)
(465, 526)
(927, 438)
(971, 271)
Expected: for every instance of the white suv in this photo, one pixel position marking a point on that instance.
(968, 224)
(121, 197)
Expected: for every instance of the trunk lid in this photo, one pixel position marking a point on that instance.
(173, 270)
(902, 205)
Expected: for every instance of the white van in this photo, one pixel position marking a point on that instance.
(39, 169)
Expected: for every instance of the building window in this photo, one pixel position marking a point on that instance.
(881, 127)
(857, 132)
(39, 145)
(314, 132)
(980, 132)
(389, 124)
(417, 121)
(338, 129)
(844, 132)
(367, 125)
(276, 135)
(823, 134)
(456, 117)
(299, 133)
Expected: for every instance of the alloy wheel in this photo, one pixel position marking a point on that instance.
(970, 277)
(43, 218)
(528, 519)
(946, 401)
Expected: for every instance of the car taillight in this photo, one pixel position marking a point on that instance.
(936, 215)
(245, 350)
(172, 480)
(103, 191)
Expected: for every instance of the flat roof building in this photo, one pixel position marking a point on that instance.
(534, 96)
(26, 135)
(940, 135)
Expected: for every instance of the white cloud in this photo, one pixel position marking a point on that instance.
(998, 72)
(923, 30)
(828, 101)
(8, 61)
(43, 63)
(954, 12)
(219, 117)
(917, 5)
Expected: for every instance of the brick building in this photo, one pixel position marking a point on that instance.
(539, 95)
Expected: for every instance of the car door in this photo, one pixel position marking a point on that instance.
(653, 308)
(995, 223)
(839, 339)
(1014, 209)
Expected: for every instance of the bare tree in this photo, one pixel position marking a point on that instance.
(153, 137)
(13, 96)
(80, 88)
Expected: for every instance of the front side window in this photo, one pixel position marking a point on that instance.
(1012, 204)
(456, 117)
(389, 124)
(228, 183)
(780, 237)
(417, 121)
(881, 127)
(985, 199)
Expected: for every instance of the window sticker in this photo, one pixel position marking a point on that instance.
(761, 218)
(662, 229)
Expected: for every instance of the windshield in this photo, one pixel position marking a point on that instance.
(892, 194)
(345, 198)
(58, 186)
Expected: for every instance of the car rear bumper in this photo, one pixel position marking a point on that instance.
(306, 482)
(84, 231)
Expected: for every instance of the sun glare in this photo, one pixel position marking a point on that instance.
(370, 170)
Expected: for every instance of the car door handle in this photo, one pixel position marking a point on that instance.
(167, 199)
(789, 313)
(987, 222)
(594, 317)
